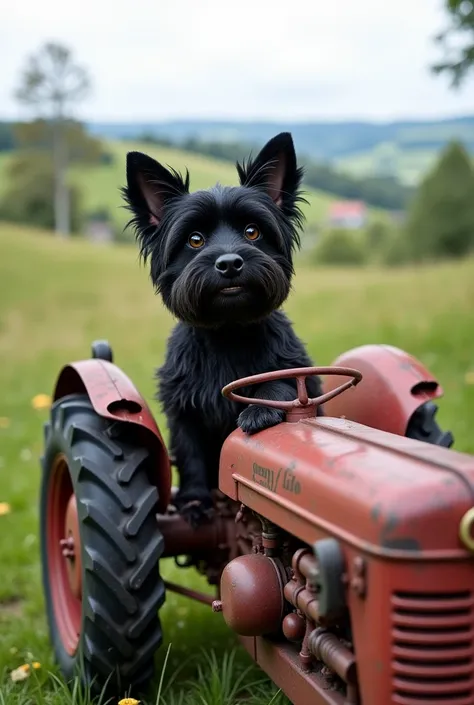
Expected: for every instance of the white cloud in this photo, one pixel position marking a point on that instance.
(247, 58)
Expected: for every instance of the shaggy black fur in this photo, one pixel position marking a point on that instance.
(222, 261)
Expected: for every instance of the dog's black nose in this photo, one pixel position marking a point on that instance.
(229, 265)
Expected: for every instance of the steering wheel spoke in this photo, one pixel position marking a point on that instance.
(303, 406)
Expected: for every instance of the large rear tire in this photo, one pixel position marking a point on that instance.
(424, 427)
(100, 548)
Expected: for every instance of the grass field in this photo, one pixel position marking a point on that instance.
(410, 166)
(56, 297)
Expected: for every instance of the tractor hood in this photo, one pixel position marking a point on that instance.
(382, 493)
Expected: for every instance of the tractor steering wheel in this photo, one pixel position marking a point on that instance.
(303, 405)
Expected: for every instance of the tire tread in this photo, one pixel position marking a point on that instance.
(117, 506)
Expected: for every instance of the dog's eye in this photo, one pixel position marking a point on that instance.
(251, 232)
(196, 240)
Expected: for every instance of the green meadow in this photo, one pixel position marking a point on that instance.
(57, 296)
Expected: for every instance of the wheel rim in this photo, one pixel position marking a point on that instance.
(64, 555)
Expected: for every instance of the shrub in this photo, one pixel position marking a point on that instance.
(341, 247)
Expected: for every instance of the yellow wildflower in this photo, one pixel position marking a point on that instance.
(4, 422)
(129, 701)
(19, 674)
(4, 508)
(22, 672)
(41, 401)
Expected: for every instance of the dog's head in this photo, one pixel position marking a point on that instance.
(224, 255)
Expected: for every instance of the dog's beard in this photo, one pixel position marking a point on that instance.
(195, 295)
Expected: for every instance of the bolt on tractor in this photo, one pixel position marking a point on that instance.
(340, 550)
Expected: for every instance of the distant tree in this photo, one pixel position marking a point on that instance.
(37, 135)
(459, 61)
(29, 176)
(150, 138)
(53, 83)
(381, 191)
(440, 223)
(27, 196)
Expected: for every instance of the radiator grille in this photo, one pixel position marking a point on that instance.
(432, 648)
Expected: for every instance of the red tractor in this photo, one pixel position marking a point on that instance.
(341, 550)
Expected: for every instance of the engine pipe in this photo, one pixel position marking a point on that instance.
(327, 647)
(181, 538)
(298, 592)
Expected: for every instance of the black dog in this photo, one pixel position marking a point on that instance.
(222, 261)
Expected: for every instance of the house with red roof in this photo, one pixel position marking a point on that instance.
(350, 215)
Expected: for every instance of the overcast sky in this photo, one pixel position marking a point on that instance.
(277, 59)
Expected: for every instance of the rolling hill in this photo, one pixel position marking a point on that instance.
(101, 184)
(409, 165)
(359, 148)
(403, 149)
(321, 140)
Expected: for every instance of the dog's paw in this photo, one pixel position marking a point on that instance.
(257, 418)
(196, 507)
(196, 513)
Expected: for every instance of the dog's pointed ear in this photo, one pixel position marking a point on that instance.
(150, 186)
(274, 169)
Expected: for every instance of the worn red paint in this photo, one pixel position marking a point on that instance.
(303, 407)
(395, 384)
(395, 507)
(67, 604)
(114, 396)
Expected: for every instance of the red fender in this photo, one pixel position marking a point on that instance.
(393, 386)
(114, 396)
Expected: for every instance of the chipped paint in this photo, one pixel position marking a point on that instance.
(401, 544)
(374, 490)
(106, 384)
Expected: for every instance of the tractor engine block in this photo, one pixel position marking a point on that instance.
(281, 592)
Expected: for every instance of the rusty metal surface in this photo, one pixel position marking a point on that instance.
(180, 538)
(326, 647)
(280, 661)
(115, 397)
(71, 548)
(381, 493)
(187, 592)
(413, 640)
(394, 385)
(413, 634)
(420, 618)
(303, 406)
(399, 510)
(253, 592)
(294, 627)
(252, 600)
(305, 601)
(65, 591)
